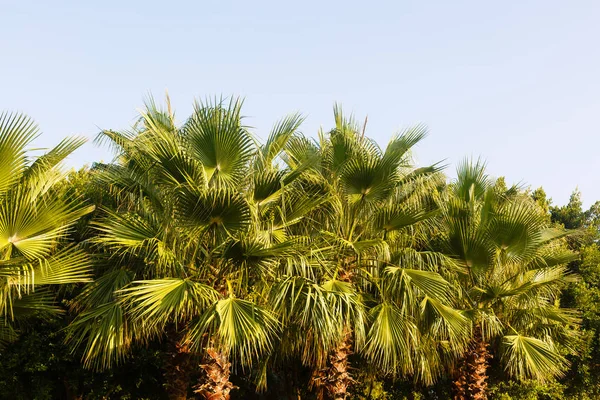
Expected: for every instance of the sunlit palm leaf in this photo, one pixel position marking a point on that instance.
(446, 323)
(306, 310)
(391, 340)
(430, 283)
(154, 303)
(240, 327)
(53, 158)
(528, 357)
(219, 141)
(33, 226)
(105, 334)
(281, 133)
(16, 133)
(395, 218)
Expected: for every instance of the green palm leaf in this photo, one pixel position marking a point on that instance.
(33, 227)
(105, 334)
(528, 357)
(219, 141)
(391, 340)
(305, 309)
(240, 327)
(432, 284)
(472, 182)
(397, 217)
(395, 155)
(154, 303)
(53, 158)
(102, 290)
(42, 300)
(69, 265)
(366, 181)
(17, 131)
(221, 210)
(446, 323)
(278, 139)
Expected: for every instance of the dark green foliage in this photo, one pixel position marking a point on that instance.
(583, 379)
(527, 390)
(571, 215)
(39, 366)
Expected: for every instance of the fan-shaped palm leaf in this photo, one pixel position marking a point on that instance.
(528, 357)
(219, 141)
(238, 326)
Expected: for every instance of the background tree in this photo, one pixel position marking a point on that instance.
(583, 377)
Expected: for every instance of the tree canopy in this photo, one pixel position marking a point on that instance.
(203, 262)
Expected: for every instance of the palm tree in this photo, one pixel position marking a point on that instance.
(202, 226)
(511, 269)
(370, 281)
(34, 222)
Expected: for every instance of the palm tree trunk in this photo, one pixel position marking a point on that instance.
(461, 384)
(471, 380)
(339, 379)
(336, 378)
(69, 392)
(217, 369)
(178, 367)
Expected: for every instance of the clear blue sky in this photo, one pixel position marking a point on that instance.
(515, 82)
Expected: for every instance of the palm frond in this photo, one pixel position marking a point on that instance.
(105, 334)
(528, 357)
(240, 327)
(69, 265)
(221, 210)
(219, 141)
(17, 131)
(397, 217)
(472, 181)
(391, 340)
(278, 139)
(154, 303)
(33, 226)
(53, 158)
(430, 283)
(446, 323)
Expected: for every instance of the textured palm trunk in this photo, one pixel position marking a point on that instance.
(471, 379)
(217, 369)
(178, 368)
(339, 378)
(69, 392)
(335, 379)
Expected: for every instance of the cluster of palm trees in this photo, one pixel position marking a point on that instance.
(254, 256)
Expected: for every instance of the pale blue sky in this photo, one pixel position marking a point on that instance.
(515, 82)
